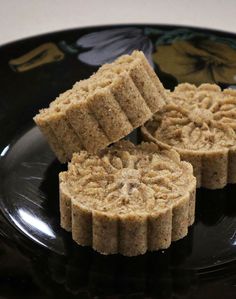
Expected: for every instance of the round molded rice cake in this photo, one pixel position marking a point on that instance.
(199, 123)
(128, 199)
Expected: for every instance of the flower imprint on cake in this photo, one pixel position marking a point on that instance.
(200, 120)
(119, 179)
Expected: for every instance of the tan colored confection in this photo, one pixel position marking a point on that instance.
(200, 123)
(98, 111)
(128, 199)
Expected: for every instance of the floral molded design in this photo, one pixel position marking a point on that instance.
(198, 119)
(200, 124)
(133, 178)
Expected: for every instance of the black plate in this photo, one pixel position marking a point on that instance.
(35, 71)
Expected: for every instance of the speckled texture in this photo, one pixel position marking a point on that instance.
(101, 110)
(200, 123)
(127, 199)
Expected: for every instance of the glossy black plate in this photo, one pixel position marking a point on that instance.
(32, 73)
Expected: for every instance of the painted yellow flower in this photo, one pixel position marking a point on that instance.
(45, 53)
(205, 61)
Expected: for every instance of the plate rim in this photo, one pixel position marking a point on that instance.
(118, 25)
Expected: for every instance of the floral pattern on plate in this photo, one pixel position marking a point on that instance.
(181, 54)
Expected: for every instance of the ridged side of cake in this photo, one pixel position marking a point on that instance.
(101, 110)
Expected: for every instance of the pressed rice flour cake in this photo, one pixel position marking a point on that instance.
(127, 199)
(200, 123)
(103, 109)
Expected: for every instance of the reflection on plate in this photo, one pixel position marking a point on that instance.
(32, 205)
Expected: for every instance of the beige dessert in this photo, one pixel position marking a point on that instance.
(127, 199)
(200, 123)
(98, 111)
